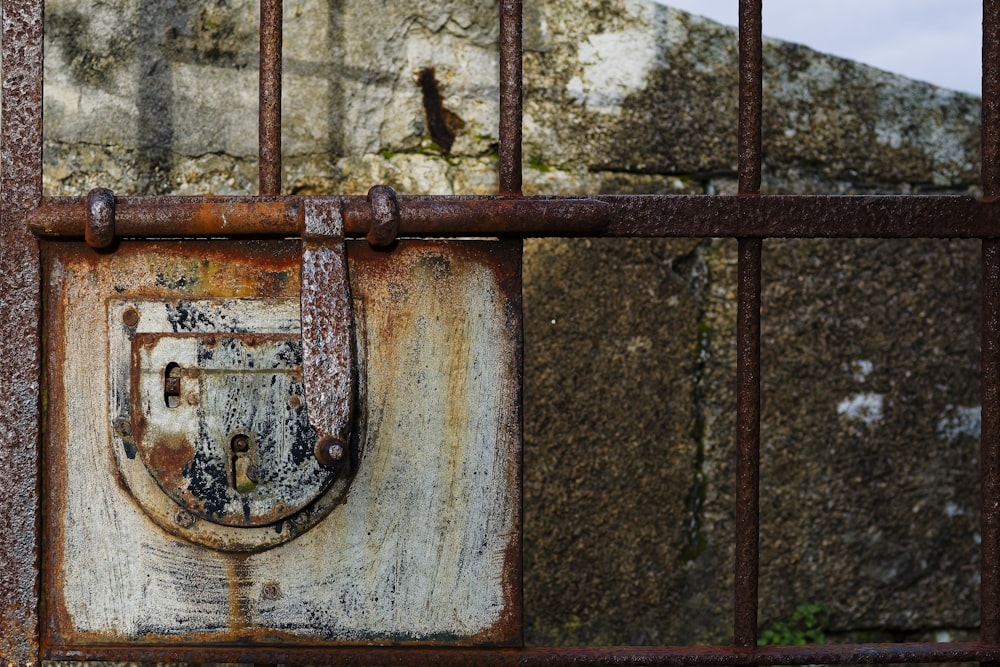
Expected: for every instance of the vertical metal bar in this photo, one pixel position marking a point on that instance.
(511, 96)
(20, 190)
(748, 335)
(751, 96)
(269, 136)
(989, 597)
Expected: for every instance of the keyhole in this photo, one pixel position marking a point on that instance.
(244, 471)
(172, 384)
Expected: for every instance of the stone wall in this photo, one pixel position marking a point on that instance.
(870, 349)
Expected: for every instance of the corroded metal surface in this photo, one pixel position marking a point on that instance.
(269, 107)
(511, 96)
(747, 538)
(233, 445)
(100, 231)
(425, 545)
(20, 190)
(385, 215)
(989, 603)
(209, 428)
(419, 215)
(327, 333)
(777, 216)
(638, 656)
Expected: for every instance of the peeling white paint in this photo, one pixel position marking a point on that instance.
(865, 407)
(959, 420)
(418, 548)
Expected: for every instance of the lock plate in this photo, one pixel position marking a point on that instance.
(211, 429)
(220, 423)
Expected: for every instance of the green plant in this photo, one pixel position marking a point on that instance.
(805, 627)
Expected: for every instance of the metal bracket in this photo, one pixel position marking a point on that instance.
(328, 366)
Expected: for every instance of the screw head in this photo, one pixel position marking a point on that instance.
(123, 427)
(184, 518)
(130, 317)
(270, 591)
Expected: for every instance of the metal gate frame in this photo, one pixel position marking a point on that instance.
(749, 217)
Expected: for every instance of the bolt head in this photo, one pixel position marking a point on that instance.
(330, 451)
(184, 518)
(130, 318)
(123, 427)
(270, 591)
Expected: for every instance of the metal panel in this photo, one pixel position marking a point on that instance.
(424, 547)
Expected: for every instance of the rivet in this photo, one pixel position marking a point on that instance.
(330, 451)
(123, 427)
(294, 401)
(184, 519)
(192, 399)
(270, 591)
(130, 318)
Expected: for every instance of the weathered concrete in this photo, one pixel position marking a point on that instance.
(870, 349)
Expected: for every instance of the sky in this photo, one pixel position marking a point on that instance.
(931, 40)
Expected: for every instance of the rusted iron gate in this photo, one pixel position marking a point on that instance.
(749, 217)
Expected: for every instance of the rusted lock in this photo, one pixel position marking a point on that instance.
(217, 417)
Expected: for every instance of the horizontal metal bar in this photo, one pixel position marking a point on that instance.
(143, 217)
(646, 656)
(777, 216)
(803, 216)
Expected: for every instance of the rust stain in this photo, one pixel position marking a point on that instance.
(168, 457)
(55, 617)
(241, 584)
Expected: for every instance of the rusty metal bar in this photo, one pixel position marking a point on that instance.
(511, 96)
(269, 130)
(991, 99)
(747, 441)
(989, 600)
(751, 95)
(20, 190)
(646, 656)
(989, 615)
(776, 216)
(747, 547)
